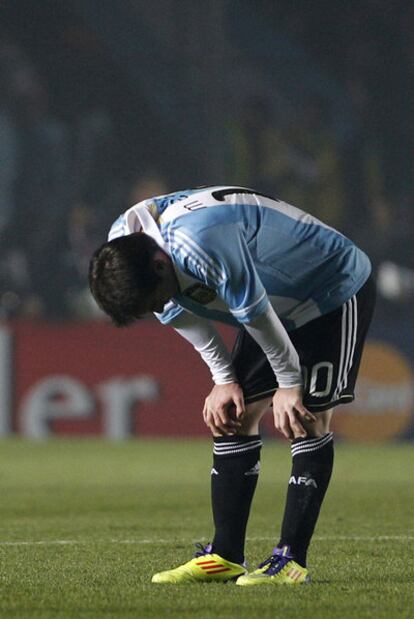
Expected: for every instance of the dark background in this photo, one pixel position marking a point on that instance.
(105, 103)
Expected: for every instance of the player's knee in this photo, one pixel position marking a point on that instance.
(321, 426)
(253, 415)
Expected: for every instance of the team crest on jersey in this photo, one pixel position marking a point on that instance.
(200, 294)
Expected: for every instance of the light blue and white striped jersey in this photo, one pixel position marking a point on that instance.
(234, 250)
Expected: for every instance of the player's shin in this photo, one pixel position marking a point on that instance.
(234, 477)
(312, 463)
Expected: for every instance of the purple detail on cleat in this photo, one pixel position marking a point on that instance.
(284, 551)
(208, 550)
(278, 560)
(203, 550)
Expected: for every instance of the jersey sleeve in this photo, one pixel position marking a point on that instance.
(202, 334)
(270, 334)
(220, 258)
(171, 311)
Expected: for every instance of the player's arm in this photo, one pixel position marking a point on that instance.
(226, 395)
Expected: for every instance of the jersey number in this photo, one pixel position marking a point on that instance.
(319, 383)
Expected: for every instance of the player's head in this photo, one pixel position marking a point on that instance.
(131, 276)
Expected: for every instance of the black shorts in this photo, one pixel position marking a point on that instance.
(329, 349)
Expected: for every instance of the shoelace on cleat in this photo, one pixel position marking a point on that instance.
(207, 550)
(276, 561)
(203, 550)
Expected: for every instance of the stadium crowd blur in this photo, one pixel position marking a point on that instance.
(79, 143)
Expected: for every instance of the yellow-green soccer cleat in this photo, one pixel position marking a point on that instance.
(205, 567)
(279, 569)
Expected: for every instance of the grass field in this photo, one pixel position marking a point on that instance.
(84, 524)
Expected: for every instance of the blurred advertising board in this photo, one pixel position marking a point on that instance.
(93, 379)
(384, 397)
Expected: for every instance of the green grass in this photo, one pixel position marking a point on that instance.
(126, 510)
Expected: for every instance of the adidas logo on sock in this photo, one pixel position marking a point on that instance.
(255, 470)
(302, 481)
(214, 471)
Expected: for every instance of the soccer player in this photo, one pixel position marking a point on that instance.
(302, 296)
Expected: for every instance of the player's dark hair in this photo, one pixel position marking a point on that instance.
(121, 275)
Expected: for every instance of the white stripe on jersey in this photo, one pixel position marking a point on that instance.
(188, 255)
(214, 265)
(238, 312)
(211, 269)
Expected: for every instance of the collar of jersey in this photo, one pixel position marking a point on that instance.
(139, 218)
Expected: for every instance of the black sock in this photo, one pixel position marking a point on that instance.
(234, 476)
(312, 462)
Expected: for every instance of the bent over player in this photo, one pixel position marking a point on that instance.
(302, 296)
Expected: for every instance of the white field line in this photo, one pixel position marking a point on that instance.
(321, 538)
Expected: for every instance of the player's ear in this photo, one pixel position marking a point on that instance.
(160, 264)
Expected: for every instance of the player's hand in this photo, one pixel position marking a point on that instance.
(224, 409)
(289, 412)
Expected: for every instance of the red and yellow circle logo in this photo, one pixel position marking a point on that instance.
(384, 397)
